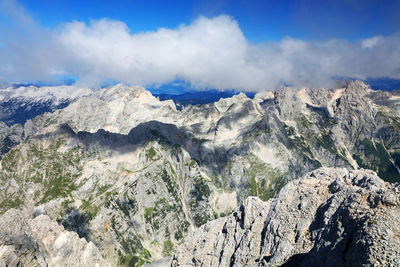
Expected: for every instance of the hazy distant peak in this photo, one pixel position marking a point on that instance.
(45, 93)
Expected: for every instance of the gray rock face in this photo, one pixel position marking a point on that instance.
(226, 240)
(330, 217)
(39, 241)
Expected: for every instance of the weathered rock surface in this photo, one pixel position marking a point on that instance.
(330, 217)
(40, 241)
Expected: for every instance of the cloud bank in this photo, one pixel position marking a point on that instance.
(208, 53)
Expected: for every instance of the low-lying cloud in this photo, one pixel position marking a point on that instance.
(208, 53)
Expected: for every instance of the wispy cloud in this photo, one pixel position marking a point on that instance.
(210, 52)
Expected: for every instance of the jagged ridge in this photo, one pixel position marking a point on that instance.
(330, 217)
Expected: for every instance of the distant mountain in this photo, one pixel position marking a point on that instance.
(133, 175)
(382, 83)
(386, 84)
(199, 97)
(19, 104)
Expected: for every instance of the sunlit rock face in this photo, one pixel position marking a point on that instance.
(330, 217)
(133, 175)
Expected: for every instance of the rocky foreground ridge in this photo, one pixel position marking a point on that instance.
(40, 241)
(330, 217)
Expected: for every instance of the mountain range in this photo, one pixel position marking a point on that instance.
(118, 176)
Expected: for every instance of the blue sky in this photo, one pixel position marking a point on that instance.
(259, 20)
(252, 45)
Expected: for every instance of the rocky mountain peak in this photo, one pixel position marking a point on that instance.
(136, 93)
(225, 103)
(357, 88)
(116, 109)
(261, 96)
(131, 93)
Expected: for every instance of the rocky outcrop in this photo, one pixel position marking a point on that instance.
(39, 241)
(330, 217)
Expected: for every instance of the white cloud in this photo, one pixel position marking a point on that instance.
(371, 42)
(206, 52)
(210, 52)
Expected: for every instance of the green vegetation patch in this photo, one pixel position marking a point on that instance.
(9, 203)
(326, 141)
(199, 194)
(192, 163)
(182, 229)
(299, 143)
(304, 122)
(42, 166)
(156, 215)
(290, 130)
(151, 153)
(201, 190)
(376, 157)
(264, 181)
(393, 120)
(133, 253)
(128, 205)
(396, 158)
(135, 260)
(10, 160)
(170, 183)
(168, 248)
